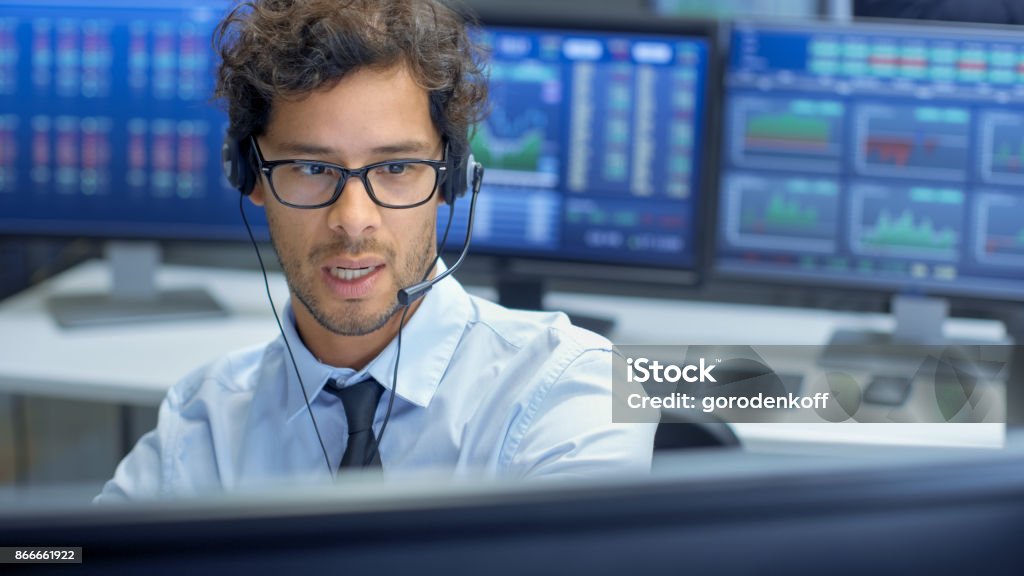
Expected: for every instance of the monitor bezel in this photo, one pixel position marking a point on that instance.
(868, 288)
(576, 274)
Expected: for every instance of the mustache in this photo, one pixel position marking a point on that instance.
(352, 248)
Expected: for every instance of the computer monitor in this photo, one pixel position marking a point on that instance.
(594, 149)
(876, 156)
(744, 514)
(731, 9)
(107, 130)
(107, 125)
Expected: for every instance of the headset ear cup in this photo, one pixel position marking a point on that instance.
(470, 172)
(248, 168)
(237, 168)
(455, 166)
(229, 161)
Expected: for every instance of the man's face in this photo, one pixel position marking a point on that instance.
(346, 262)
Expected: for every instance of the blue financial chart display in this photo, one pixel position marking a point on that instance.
(591, 148)
(107, 127)
(882, 156)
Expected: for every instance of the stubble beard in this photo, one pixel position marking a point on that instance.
(357, 321)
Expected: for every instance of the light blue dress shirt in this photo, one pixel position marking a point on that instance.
(482, 390)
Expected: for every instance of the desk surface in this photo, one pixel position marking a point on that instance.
(128, 363)
(136, 364)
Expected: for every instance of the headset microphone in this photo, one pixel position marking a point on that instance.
(407, 296)
(475, 174)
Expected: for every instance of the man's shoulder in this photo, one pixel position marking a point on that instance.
(523, 328)
(233, 373)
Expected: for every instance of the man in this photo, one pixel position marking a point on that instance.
(316, 90)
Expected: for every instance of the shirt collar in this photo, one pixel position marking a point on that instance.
(429, 340)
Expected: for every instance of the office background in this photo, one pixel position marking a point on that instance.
(734, 157)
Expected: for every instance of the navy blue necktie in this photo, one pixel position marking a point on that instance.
(360, 403)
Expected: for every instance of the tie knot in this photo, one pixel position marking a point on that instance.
(360, 404)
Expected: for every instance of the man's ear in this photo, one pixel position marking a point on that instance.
(258, 196)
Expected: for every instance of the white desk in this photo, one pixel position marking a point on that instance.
(136, 364)
(650, 321)
(129, 364)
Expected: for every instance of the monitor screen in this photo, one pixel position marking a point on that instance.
(887, 157)
(107, 127)
(592, 147)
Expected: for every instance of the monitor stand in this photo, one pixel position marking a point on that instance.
(918, 322)
(528, 294)
(134, 296)
(1015, 393)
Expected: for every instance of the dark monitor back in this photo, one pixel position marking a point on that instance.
(594, 145)
(107, 128)
(875, 156)
(955, 517)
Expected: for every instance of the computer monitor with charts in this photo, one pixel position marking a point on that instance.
(878, 156)
(106, 121)
(107, 130)
(594, 149)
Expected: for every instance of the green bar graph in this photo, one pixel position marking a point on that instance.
(784, 214)
(904, 232)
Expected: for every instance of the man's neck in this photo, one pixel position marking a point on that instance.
(346, 351)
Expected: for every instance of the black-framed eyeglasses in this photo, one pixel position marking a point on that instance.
(404, 183)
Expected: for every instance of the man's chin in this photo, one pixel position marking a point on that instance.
(351, 323)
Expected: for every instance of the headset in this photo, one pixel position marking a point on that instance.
(462, 172)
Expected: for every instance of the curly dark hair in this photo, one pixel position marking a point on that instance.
(274, 49)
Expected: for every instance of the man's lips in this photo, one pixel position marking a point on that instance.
(351, 274)
(355, 263)
(353, 278)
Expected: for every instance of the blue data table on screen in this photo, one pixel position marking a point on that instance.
(592, 147)
(107, 123)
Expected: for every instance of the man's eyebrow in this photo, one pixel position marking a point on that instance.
(404, 147)
(307, 149)
(304, 149)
